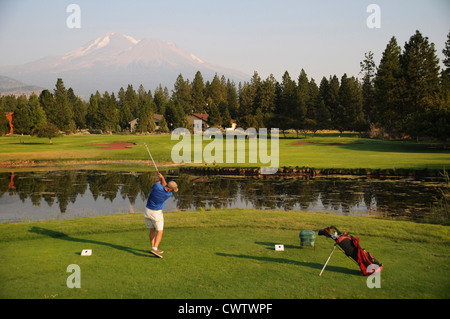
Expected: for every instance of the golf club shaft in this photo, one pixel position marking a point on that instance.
(327, 260)
(151, 157)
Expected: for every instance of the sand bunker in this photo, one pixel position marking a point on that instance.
(113, 146)
(352, 143)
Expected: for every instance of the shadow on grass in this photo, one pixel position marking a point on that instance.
(316, 266)
(291, 136)
(63, 236)
(271, 246)
(30, 143)
(384, 146)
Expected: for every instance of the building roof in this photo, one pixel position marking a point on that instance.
(158, 116)
(201, 116)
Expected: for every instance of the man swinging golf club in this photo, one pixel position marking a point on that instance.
(154, 219)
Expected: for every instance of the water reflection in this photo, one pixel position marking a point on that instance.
(63, 194)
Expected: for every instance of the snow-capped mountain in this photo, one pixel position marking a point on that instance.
(105, 48)
(114, 61)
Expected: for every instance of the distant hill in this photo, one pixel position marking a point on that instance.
(114, 61)
(10, 86)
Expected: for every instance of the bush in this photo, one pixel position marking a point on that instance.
(49, 130)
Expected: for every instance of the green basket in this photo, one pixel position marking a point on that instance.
(307, 238)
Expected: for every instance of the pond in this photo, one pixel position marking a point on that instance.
(43, 195)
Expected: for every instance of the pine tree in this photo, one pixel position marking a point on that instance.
(251, 96)
(130, 105)
(181, 95)
(420, 73)
(332, 101)
(387, 89)
(360, 123)
(256, 93)
(107, 112)
(141, 92)
(311, 123)
(79, 109)
(214, 92)
(226, 119)
(446, 52)
(22, 116)
(322, 115)
(198, 94)
(214, 116)
(268, 95)
(232, 99)
(146, 121)
(92, 118)
(438, 116)
(63, 112)
(223, 88)
(125, 115)
(161, 98)
(285, 103)
(163, 125)
(246, 97)
(368, 69)
(175, 116)
(47, 102)
(323, 112)
(4, 123)
(349, 115)
(37, 114)
(445, 74)
(301, 101)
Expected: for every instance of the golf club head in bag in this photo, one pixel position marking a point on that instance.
(328, 232)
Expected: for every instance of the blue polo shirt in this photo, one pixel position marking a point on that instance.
(157, 197)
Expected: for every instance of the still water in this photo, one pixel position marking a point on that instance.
(31, 196)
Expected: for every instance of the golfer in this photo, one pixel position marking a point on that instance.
(154, 219)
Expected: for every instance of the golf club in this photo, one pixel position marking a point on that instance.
(326, 263)
(151, 157)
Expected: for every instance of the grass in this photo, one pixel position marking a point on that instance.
(325, 151)
(221, 254)
(70, 148)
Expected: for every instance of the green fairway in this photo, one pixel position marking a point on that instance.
(320, 152)
(220, 254)
(79, 148)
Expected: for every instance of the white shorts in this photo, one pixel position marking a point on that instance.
(154, 219)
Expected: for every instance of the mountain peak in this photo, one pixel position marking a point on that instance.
(112, 34)
(115, 60)
(113, 42)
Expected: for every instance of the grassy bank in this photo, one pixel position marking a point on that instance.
(326, 151)
(220, 254)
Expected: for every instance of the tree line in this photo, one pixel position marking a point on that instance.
(405, 95)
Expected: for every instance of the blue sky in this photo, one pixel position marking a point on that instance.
(322, 37)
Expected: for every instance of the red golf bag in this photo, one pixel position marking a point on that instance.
(350, 246)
